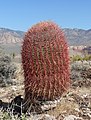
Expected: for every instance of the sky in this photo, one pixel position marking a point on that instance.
(22, 14)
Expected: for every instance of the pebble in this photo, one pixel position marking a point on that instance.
(72, 117)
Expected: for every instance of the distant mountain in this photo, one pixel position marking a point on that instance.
(10, 36)
(11, 40)
(78, 36)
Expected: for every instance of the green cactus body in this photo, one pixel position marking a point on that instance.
(45, 62)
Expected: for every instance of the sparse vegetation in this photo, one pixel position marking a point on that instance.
(9, 116)
(80, 58)
(13, 55)
(77, 102)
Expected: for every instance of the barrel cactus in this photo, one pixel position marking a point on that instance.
(45, 62)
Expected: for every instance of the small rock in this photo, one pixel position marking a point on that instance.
(50, 105)
(14, 88)
(43, 117)
(72, 117)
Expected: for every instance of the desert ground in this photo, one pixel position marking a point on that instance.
(75, 104)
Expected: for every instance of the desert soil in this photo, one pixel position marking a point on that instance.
(74, 105)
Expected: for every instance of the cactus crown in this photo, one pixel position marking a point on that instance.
(45, 62)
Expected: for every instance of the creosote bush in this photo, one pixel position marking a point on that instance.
(45, 62)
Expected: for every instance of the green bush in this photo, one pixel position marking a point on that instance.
(76, 58)
(80, 58)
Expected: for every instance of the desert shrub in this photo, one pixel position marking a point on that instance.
(87, 57)
(81, 65)
(78, 68)
(76, 58)
(7, 70)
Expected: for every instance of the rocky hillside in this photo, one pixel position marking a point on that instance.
(11, 40)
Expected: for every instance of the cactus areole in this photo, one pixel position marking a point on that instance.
(45, 62)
